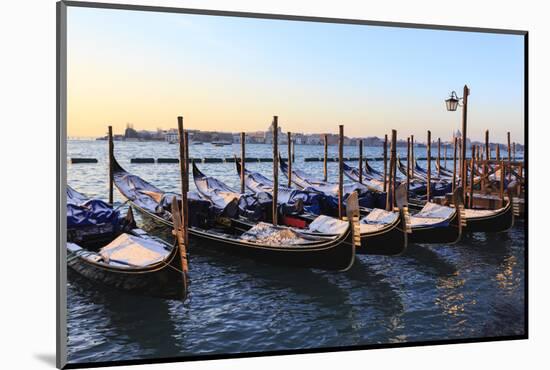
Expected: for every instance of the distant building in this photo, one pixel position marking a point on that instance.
(171, 136)
(130, 133)
(269, 135)
(257, 137)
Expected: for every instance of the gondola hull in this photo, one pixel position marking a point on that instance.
(329, 252)
(495, 223)
(339, 254)
(164, 279)
(429, 234)
(388, 241)
(499, 222)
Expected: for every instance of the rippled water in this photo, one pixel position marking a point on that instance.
(471, 289)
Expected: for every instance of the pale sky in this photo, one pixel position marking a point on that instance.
(234, 74)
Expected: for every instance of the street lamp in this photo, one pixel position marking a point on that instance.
(452, 103)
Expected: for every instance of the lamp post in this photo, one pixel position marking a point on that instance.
(452, 103)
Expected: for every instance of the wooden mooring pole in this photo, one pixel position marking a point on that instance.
(454, 162)
(509, 157)
(341, 172)
(390, 193)
(465, 94)
(487, 146)
(502, 174)
(184, 175)
(360, 161)
(394, 171)
(290, 155)
(412, 156)
(180, 215)
(185, 209)
(438, 157)
(472, 169)
(243, 160)
(386, 164)
(429, 167)
(275, 168)
(325, 160)
(408, 166)
(110, 160)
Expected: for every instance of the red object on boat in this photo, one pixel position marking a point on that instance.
(294, 222)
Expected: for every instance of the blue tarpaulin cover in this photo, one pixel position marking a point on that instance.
(82, 211)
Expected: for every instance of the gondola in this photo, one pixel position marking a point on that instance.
(382, 233)
(370, 196)
(253, 207)
(111, 250)
(489, 220)
(352, 173)
(432, 224)
(419, 179)
(322, 246)
(444, 170)
(442, 177)
(439, 224)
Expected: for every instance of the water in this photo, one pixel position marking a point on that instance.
(471, 289)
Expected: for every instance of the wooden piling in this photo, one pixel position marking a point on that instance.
(293, 151)
(184, 176)
(110, 160)
(275, 169)
(429, 166)
(514, 151)
(445, 153)
(325, 165)
(412, 156)
(385, 163)
(186, 146)
(472, 169)
(408, 166)
(438, 157)
(394, 173)
(185, 210)
(464, 137)
(455, 146)
(390, 193)
(502, 183)
(243, 160)
(485, 181)
(498, 153)
(509, 157)
(289, 149)
(487, 146)
(360, 161)
(341, 172)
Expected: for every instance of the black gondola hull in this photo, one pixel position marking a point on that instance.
(164, 279)
(337, 255)
(389, 241)
(448, 234)
(500, 222)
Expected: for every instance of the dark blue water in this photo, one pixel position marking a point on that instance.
(467, 290)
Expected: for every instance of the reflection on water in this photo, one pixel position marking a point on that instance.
(471, 289)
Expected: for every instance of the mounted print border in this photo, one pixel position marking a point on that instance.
(392, 199)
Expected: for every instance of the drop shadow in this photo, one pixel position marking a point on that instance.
(46, 358)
